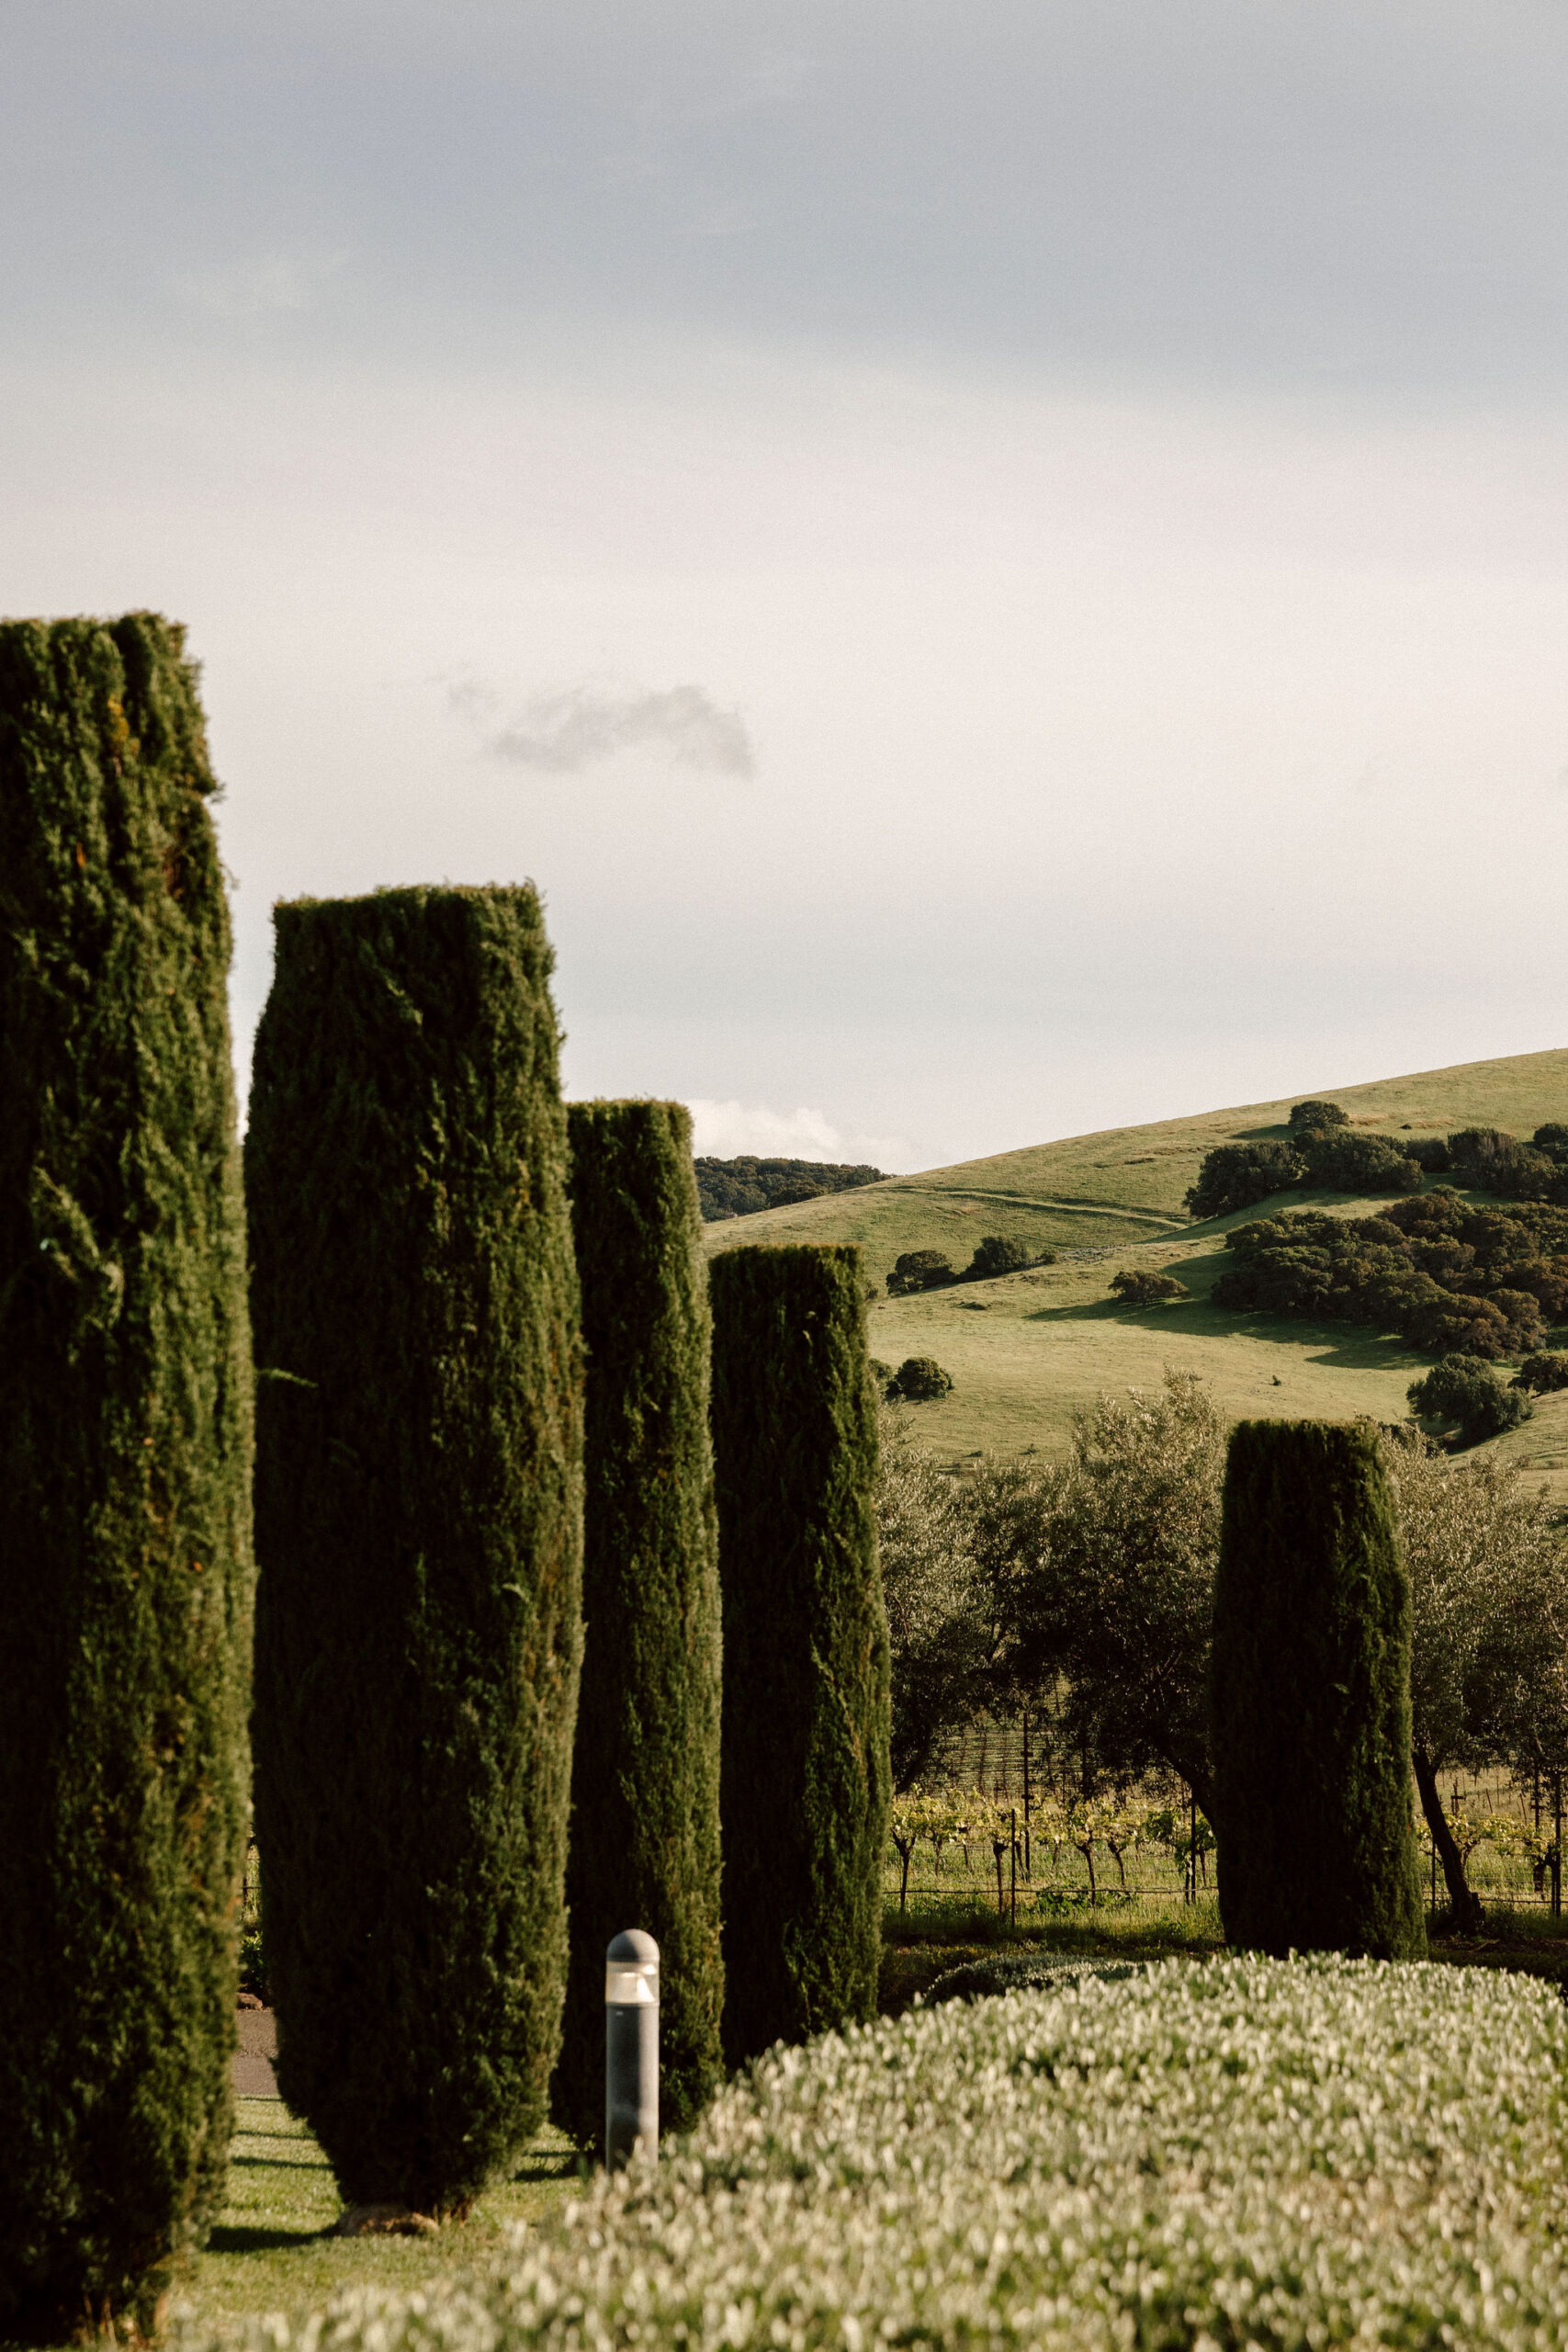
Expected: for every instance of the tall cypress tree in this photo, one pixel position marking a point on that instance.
(125, 1454)
(1310, 1695)
(805, 1775)
(644, 1845)
(419, 1530)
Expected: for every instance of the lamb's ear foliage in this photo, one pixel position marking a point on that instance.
(644, 1845)
(419, 1526)
(125, 1464)
(806, 1777)
(1310, 1698)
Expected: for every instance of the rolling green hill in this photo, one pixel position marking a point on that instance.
(1028, 1351)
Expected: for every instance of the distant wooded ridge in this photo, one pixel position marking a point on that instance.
(740, 1187)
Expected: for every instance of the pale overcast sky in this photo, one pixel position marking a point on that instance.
(1003, 564)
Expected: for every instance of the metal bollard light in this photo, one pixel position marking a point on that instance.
(631, 2048)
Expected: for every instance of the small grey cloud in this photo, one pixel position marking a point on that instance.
(561, 734)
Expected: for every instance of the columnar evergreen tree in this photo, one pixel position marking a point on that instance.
(419, 1530)
(645, 1847)
(125, 1458)
(1310, 1695)
(805, 1776)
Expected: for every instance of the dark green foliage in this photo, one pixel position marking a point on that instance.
(740, 1187)
(125, 1456)
(1141, 1288)
(1340, 1161)
(1552, 1140)
(1464, 1391)
(806, 1772)
(1234, 1175)
(1310, 1698)
(918, 1270)
(997, 1255)
(1442, 1275)
(1430, 1154)
(419, 1530)
(1486, 1160)
(1311, 1118)
(645, 1848)
(1543, 1372)
(919, 1380)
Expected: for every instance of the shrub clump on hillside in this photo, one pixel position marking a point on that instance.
(1340, 1161)
(1430, 1154)
(1313, 1118)
(1544, 1372)
(1486, 1160)
(919, 1270)
(1238, 1175)
(1246, 2153)
(1325, 1154)
(919, 1380)
(1443, 1275)
(997, 1255)
(1141, 1288)
(1464, 1391)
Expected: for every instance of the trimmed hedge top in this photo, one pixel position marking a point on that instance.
(1277, 2153)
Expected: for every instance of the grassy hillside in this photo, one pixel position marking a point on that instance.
(1028, 1351)
(1127, 1183)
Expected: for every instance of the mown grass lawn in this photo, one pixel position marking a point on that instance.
(272, 2250)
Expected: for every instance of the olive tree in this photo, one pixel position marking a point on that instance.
(952, 1550)
(1117, 1594)
(1489, 1593)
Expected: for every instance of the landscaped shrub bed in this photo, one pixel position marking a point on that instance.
(1279, 2153)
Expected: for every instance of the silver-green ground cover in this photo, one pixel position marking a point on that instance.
(1277, 2154)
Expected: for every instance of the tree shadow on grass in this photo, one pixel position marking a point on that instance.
(239, 2237)
(1343, 1347)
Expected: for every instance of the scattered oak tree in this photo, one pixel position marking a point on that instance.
(1340, 1160)
(1141, 1288)
(1489, 1594)
(997, 1255)
(1311, 1118)
(919, 1380)
(1487, 1160)
(1462, 1390)
(1238, 1175)
(918, 1270)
